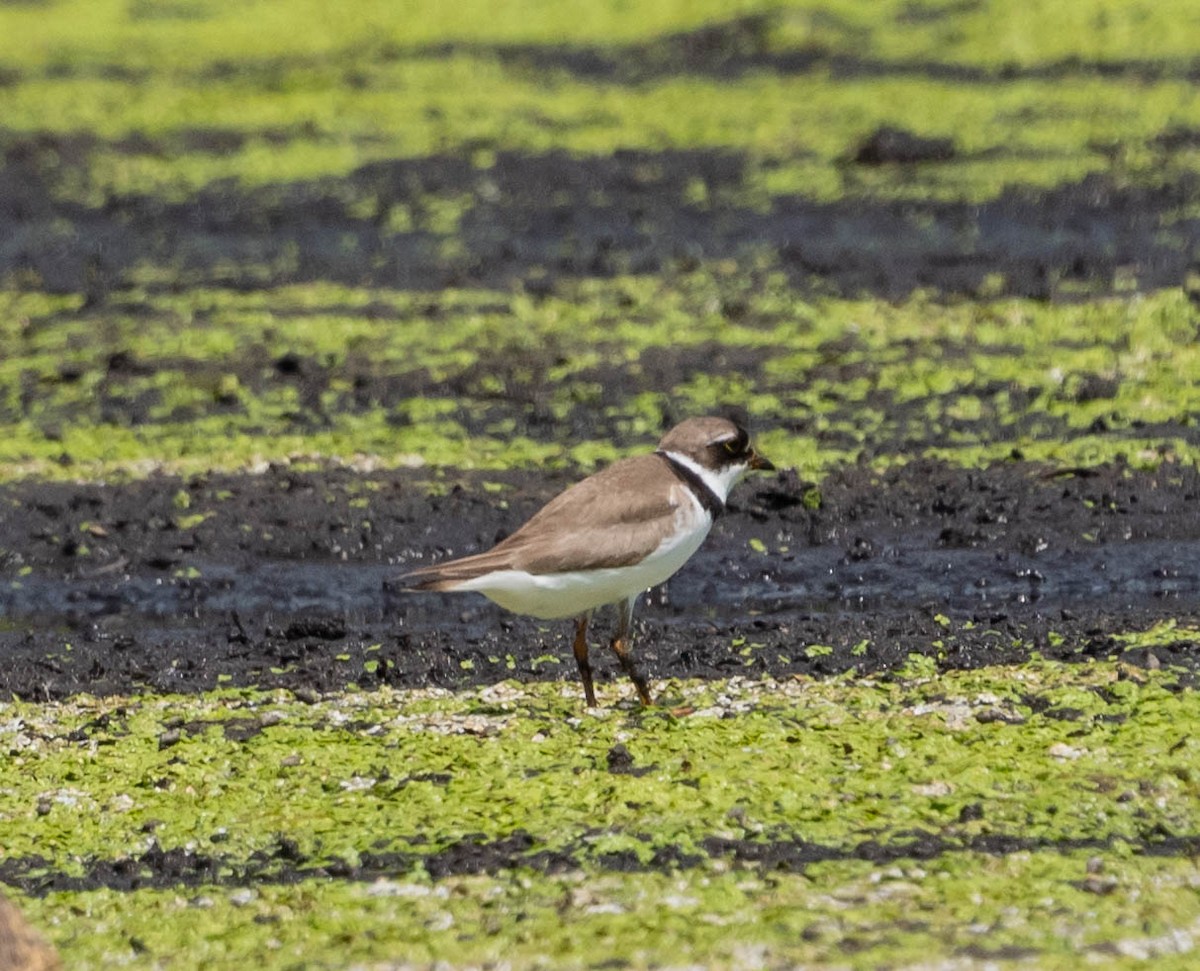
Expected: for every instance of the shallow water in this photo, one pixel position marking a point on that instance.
(715, 581)
(970, 567)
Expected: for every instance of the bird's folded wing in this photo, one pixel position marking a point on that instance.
(539, 552)
(596, 524)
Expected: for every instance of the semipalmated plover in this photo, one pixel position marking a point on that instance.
(609, 537)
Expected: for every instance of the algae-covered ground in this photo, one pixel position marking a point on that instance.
(294, 295)
(997, 815)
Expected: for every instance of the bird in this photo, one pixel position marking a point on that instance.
(609, 537)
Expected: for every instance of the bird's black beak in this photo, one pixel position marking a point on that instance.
(760, 463)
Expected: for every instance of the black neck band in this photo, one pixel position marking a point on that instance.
(700, 489)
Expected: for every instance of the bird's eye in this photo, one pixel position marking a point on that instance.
(730, 447)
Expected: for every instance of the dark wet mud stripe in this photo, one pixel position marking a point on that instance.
(692, 53)
(177, 868)
(792, 644)
(973, 567)
(1026, 241)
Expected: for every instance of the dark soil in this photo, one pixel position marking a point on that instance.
(284, 863)
(623, 213)
(286, 583)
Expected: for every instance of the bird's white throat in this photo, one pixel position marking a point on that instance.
(720, 481)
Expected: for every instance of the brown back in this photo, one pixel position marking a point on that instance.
(613, 518)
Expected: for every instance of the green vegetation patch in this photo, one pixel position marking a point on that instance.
(977, 910)
(1051, 807)
(178, 170)
(217, 379)
(171, 98)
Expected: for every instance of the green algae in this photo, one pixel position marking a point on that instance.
(486, 746)
(1162, 634)
(189, 36)
(1034, 133)
(323, 97)
(847, 914)
(1067, 763)
(1073, 384)
(121, 101)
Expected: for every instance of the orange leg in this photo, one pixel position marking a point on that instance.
(581, 658)
(620, 646)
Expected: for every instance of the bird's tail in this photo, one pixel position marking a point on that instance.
(448, 575)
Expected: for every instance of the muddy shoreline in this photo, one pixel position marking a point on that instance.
(283, 579)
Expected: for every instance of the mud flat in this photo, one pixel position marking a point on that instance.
(289, 304)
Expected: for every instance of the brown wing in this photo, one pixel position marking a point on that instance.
(613, 518)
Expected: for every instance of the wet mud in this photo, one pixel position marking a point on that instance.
(623, 213)
(734, 47)
(285, 579)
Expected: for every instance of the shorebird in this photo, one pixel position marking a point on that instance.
(609, 537)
